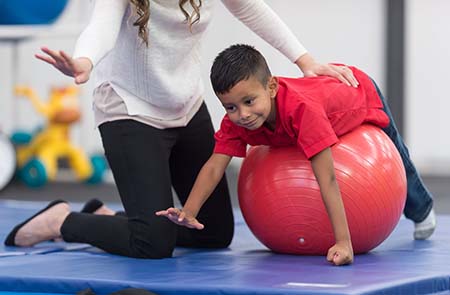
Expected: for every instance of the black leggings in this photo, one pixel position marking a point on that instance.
(146, 163)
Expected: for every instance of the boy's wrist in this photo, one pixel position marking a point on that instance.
(344, 241)
(190, 211)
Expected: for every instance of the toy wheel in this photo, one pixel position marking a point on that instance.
(34, 173)
(98, 169)
(7, 161)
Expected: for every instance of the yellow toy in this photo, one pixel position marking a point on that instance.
(37, 161)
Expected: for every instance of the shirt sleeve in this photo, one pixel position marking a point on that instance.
(228, 141)
(315, 132)
(262, 20)
(100, 35)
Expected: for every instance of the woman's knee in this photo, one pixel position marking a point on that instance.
(224, 237)
(153, 242)
(151, 250)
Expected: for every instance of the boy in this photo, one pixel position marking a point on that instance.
(310, 113)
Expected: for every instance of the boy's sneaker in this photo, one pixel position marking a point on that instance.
(423, 230)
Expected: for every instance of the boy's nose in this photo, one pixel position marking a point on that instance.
(244, 115)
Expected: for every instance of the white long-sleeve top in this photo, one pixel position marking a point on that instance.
(163, 81)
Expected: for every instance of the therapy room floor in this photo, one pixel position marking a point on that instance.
(398, 266)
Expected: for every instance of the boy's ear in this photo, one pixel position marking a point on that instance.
(273, 86)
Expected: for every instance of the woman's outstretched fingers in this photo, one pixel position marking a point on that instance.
(45, 58)
(66, 57)
(54, 54)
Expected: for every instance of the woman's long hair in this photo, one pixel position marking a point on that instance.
(142, 10)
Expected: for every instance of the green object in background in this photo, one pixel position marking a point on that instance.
(34, 173)
(21, 138)
(99, 167)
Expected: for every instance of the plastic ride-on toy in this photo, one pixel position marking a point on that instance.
(38, 154)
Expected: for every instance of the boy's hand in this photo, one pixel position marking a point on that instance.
(181, 218)
(79, 68)
(341, 253)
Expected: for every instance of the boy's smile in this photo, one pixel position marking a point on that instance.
(250, 104)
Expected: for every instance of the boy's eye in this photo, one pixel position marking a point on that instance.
(249, 101)
(230, 108)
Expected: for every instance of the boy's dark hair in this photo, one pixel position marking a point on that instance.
(236, 63)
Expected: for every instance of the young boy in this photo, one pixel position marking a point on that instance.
(310, 113)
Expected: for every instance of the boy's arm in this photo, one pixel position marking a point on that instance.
(207, 180)
(323, 167)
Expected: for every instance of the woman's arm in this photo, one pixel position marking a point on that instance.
(100, 35)
(262, 20)
(323, 167)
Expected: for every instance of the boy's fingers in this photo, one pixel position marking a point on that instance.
(162, 212)
(330, 256)
(341, 259)
(337, 259)
(173, 211)
(181, 216)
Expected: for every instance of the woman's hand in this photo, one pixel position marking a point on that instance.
(311, 68)
(181, 218)
(79, 68)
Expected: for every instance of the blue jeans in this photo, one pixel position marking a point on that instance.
(419, 201)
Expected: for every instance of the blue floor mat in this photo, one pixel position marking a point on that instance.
(398, 266)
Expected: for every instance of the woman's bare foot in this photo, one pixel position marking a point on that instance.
(103, 210)
(95, 206)
(44, 227)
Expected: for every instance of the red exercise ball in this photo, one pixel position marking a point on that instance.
(281, 201)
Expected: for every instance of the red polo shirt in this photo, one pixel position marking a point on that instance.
(311, 114)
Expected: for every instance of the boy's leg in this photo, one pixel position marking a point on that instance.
(194, 147)
(419, 202)
(138, 155)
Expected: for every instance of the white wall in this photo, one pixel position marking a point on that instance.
(427, 79)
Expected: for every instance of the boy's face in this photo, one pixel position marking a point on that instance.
(250, 104)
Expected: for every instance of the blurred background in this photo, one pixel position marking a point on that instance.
(403, 45)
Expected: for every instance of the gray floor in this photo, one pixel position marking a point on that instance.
(107, 192)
